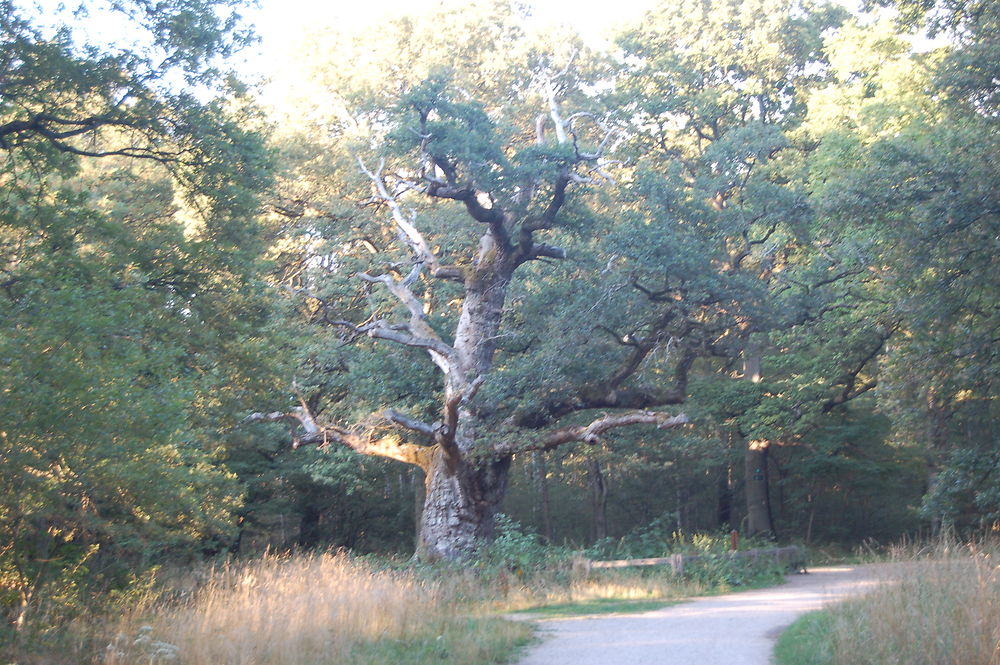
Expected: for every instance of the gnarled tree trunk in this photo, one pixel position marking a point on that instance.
(461, 505)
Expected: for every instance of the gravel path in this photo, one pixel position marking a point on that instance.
(734, 629)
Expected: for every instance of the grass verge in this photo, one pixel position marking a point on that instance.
(595, 606)
(942, 610)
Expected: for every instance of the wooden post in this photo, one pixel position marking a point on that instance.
(677, 564)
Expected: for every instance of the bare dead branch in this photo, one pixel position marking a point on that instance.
(410, 234)
(440, 353)
(409, 423)
(591, 433)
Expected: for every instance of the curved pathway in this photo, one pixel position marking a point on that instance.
(734, 629)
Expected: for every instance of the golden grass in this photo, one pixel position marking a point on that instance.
(332, 608)
(624, 584)
(942, 608)
(314, 609)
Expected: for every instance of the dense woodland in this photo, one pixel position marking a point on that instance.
(736, 270)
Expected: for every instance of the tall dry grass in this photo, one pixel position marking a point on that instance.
(314, 609)
(332, 608)
(940, 608)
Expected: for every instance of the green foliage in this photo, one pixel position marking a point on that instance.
(967, 492)
(515, 551)
(922, 198)
(129, 305)
(713, 567)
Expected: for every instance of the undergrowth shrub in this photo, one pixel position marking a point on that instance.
(714, 568)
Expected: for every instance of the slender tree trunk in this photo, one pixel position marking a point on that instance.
(724, 505)
(419, 496)
(937, 443)
(540, 473)
(598, 500)
(758, 494)
(237, 543)
(679, 504)
(812, 516)
(759, 520)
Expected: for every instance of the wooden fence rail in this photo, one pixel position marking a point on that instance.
(791, 557)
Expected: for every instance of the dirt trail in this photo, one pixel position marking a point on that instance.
(734, 629)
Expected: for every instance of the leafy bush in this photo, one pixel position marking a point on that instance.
(518, 552)
(715, 567)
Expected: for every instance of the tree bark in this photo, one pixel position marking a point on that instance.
(724, 504)
(759, 521)
(461, 504)
(419, 496)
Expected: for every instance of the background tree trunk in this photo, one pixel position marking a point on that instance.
(724, 502)
(758, 495)
(759, 520)
(598, 500)
(309, 532)
(540, 472)
(419, 496)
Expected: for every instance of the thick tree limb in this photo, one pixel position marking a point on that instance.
(494, 217)
(549, 91)
(598, 154)
(601, 395)
(400, 288)
(527, 250)
(454, 400)
(391, 446)
(58, 130)
(541, 250)
(440, 353)
(643, 347)
(548, 219)
(591, 433)
(298, 414)
(420, 332)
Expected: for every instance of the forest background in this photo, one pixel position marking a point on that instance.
(734, 270)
